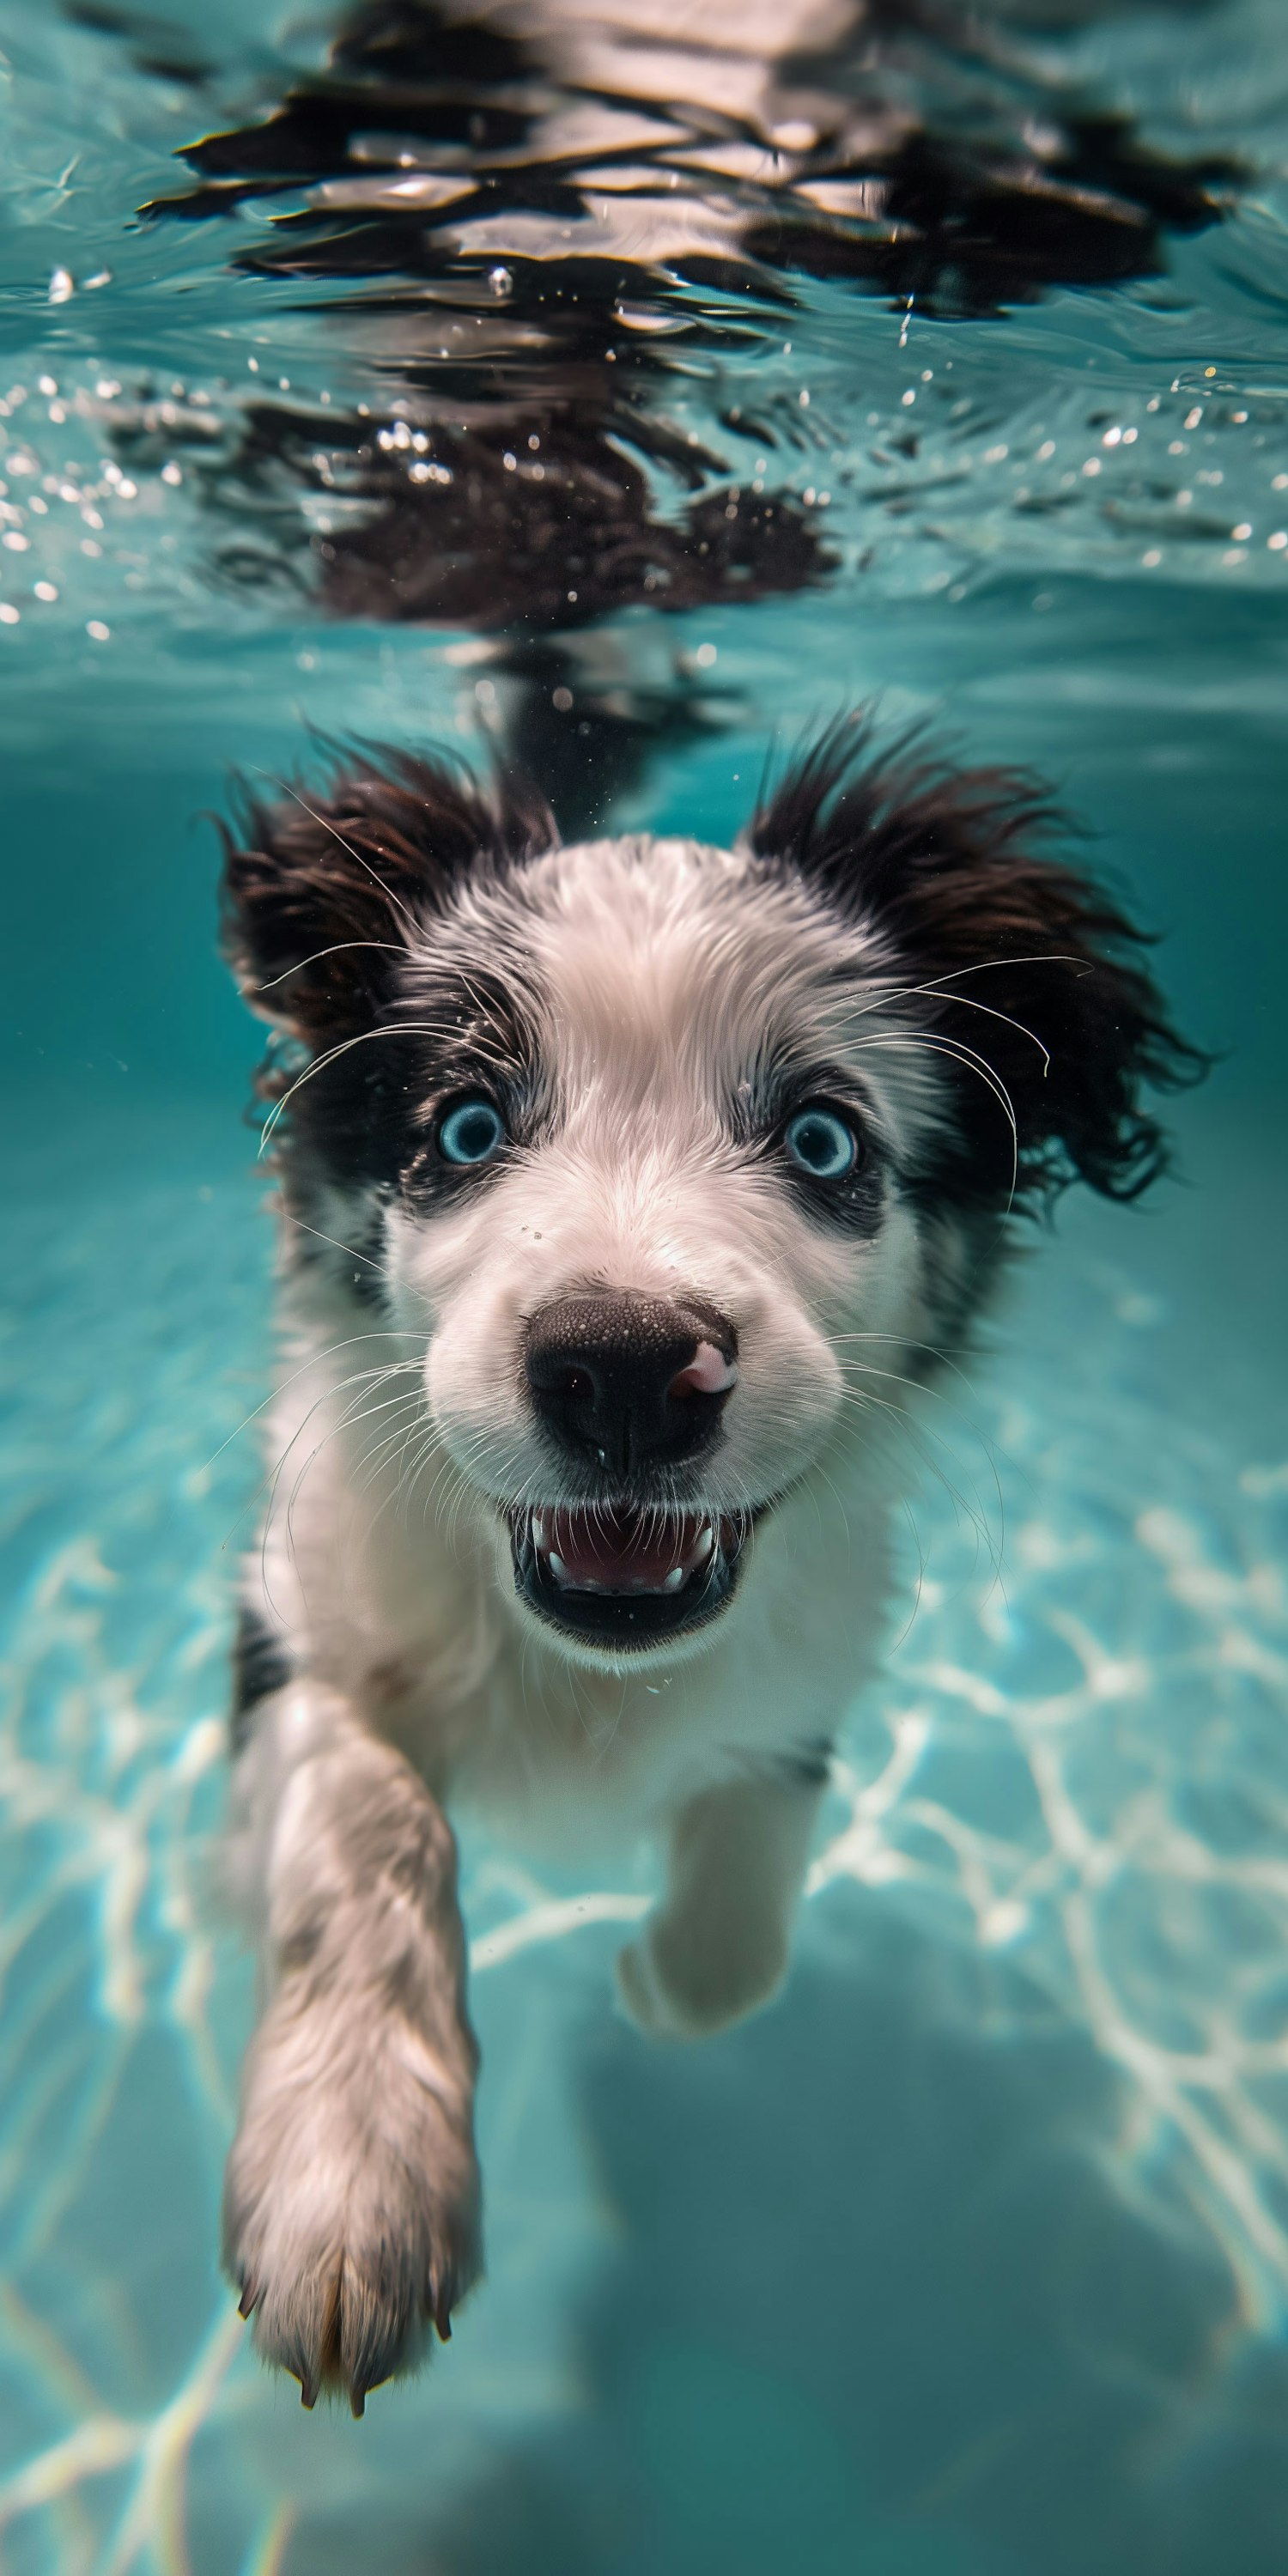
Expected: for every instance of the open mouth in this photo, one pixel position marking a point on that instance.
(622, 1576)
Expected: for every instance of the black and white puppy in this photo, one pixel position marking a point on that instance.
(630, 1191)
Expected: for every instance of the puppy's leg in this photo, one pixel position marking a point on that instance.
(351, 2203)
(717, 1947)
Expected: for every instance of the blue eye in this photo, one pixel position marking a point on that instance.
(823, 1144)
(472, 1132)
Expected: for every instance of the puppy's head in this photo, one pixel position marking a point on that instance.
(680, 1158)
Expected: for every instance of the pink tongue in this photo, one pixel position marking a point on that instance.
(617, 1549)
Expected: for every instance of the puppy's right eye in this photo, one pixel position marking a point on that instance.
(471, 1131)
(822, 1142)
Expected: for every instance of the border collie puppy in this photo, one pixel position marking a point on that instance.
(630, 1190)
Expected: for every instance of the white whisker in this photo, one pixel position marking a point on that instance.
(338, 948)
(386, 1029)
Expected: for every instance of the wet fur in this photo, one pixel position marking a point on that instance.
(889, 932)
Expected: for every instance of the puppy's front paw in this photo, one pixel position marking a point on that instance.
(349, 2240)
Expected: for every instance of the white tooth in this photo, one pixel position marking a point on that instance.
(706, 1541)
(557, 1567)
(539, 1528)
(672, 1581)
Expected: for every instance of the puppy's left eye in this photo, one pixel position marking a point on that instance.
(471, 1132)
(823, 1143)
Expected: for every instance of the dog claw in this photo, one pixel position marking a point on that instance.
(308, 2394)
(357, 2401)
(249, 2300)
(443, 2316)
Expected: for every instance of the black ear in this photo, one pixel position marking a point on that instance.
(323, 893)
(1025, 975)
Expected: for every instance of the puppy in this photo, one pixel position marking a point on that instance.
(630, 1193)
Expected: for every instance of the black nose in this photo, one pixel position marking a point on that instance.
(630, 1381)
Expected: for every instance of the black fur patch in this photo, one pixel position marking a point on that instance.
(854, 1205)
(261, 1665)
(1024, 975)
(483, 1042)
(323, 896)
(321, 891)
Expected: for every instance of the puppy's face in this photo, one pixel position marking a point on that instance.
(669, 1158)
(655, 1198)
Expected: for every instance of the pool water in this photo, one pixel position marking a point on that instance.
(970, 2257)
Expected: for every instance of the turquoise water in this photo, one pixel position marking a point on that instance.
(970, 2258)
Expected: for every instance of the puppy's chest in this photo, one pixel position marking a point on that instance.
(558, 1759)
(563, 1761)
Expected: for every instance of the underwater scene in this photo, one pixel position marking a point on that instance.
(623, 395)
